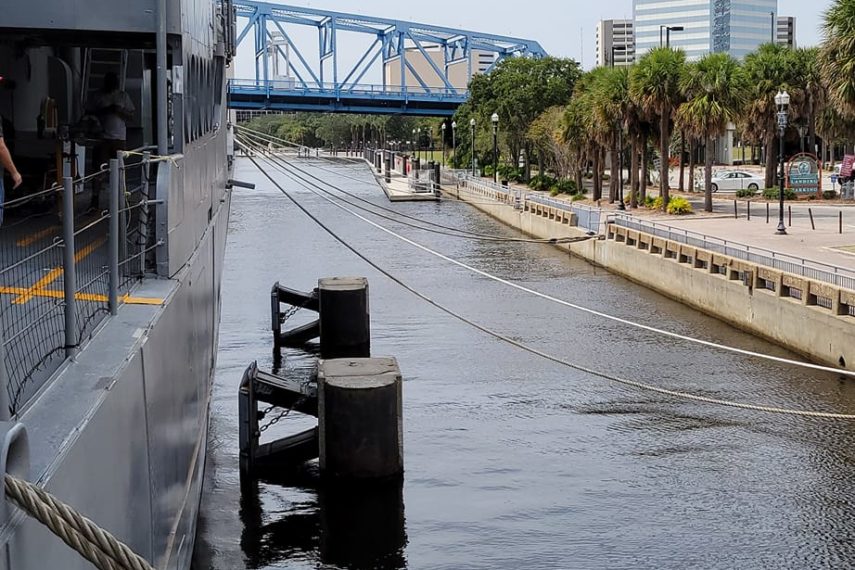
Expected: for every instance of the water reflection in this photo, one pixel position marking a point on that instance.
(359, 526)
(513, 462)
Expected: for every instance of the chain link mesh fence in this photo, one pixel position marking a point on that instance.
(32, 273)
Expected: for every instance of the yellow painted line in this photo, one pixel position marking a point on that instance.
(56, 272)
(33, 238)
(50, 293)
(45, 232)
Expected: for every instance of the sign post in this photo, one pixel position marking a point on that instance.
(803, 175)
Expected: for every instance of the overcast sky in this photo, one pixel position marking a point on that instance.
(564, 28)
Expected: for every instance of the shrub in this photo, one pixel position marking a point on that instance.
(772, 194)
(649, 201)
(657, 202)
(542, 182)
(577, 197)
(829, 195)
(511, 173)
(566, 187)
(679, 206)
(553, 191)
(487, 171)
(746, 193)
(589, 175)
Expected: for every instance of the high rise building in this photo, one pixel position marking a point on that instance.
(616, 34)
(736, 27)
(459, 73)
(786, 31)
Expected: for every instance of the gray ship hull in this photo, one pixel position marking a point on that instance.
(122, 429)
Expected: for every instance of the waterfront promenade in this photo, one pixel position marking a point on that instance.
(747, 223)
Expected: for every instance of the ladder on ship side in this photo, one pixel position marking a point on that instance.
(98, 62)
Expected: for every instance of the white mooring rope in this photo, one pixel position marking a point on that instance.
(92, 542)
(499, 336)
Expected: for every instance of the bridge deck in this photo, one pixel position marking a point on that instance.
(367, 99)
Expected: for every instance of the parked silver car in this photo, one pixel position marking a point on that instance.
(733, 180)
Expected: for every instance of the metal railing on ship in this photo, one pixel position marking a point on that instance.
(63, 267)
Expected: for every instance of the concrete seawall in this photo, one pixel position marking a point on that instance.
(812, 318)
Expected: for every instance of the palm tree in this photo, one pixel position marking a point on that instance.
(813, 90)
(611, 105)
(575, 135)
(655, 84)
(599, 132)
(769, 69)
(838, 54)
(715, 90)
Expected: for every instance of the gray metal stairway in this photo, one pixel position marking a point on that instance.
(97, 63)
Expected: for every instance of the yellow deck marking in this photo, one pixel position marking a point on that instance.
(45, 232)
(126, 299)
(56, 272)
(33, 238)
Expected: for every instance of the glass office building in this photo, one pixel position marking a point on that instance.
(736, 27)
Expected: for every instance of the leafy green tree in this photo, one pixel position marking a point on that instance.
(715, 90)
(519, 90)
(655, 86)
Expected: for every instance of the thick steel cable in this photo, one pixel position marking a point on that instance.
(270, 138)
(590, 311)
(483, 237)
(446, 230)
(537, 352)
(92, 542)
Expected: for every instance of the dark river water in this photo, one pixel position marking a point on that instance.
(513, 461)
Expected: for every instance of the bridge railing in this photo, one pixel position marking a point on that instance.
(254, 86)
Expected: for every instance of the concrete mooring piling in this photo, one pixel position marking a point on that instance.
(360, 418)
(356, 398)
(345, 328)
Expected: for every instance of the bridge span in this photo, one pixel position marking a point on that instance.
(407, 68)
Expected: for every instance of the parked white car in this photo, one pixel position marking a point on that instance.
(733, 180)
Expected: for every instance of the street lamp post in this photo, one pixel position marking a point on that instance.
(803, 129)
(472, 124)
(443, 143)
(621, 204)
(668, 30)
(454, 140)
(495, 119)
(782, 100)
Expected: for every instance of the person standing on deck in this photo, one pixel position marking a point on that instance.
(113, 108)
(7, 164)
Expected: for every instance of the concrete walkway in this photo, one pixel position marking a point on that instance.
(825, 244)
(398, 188)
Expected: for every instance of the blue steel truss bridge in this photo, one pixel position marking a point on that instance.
(407, 68)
